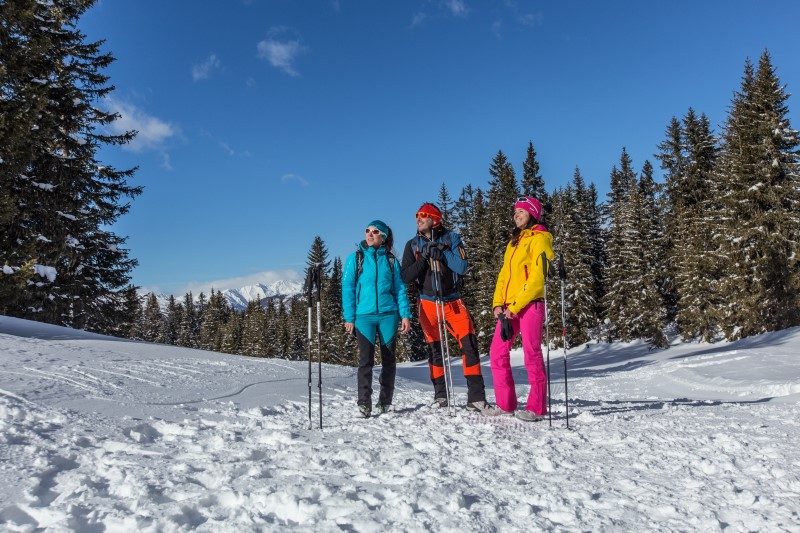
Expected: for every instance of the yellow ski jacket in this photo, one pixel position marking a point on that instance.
(521, 279)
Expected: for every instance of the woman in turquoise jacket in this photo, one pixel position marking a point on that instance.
(374, 301)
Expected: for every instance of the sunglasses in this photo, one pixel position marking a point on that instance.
(525, 200)
(423, 215)
(373, 231)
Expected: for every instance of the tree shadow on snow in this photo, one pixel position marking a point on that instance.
(611, 407)
(775, 338)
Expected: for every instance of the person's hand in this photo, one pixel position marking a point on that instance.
(497, 311)
(348, 327)
(425, 254)
(434, 252)
(508, 313)
(405, 325)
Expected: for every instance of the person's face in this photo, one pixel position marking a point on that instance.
(373, 236)
(521, 217)
(424, 223)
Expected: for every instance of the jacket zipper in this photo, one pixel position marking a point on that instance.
(505, 299)
(377, 307)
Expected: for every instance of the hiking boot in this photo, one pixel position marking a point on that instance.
(383, 408)
(438, 403)
(528, 416)
(364, 411)
(480, 406)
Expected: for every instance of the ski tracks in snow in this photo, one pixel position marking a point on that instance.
(222, 468)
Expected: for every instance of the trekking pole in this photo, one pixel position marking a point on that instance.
(547, 339)
(318, 275)
(444, 348)
(562, 274)
(309, 292)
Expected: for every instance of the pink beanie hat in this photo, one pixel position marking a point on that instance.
(531, 205)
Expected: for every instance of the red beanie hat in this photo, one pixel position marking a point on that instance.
(432, 211)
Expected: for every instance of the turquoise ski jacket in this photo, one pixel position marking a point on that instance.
(379, 288)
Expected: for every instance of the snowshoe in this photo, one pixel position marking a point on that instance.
(527, 416)
(382, 409)
(481, 407)
(439, 403)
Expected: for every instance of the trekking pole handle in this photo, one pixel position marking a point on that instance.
(562, 272)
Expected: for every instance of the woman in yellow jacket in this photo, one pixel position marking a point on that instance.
(519, 295)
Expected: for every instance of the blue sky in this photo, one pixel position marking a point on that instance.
(264, 123)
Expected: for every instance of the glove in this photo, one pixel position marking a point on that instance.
(506, 329)
(425, 254)
(434, 252)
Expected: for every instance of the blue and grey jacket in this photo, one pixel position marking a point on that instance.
(416, 269)
(377, 289)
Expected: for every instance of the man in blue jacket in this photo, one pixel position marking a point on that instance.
(435, 243)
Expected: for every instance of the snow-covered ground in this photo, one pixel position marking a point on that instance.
(103, 434)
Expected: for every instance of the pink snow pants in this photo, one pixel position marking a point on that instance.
(529, 323)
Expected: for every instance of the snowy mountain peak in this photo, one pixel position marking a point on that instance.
(239, 298)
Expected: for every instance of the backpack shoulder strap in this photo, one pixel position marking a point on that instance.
(359, 262)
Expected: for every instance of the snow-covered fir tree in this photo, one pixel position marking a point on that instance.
(649, 313)
(570, 224)
(532, 180)
(172, 322)
(186, 331)
(622, 279)
(759, 173)
(253, 328)
(216, 314)
(59, 200)
(152, 320)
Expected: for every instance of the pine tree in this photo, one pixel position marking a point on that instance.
(649, 316)
(673, 163)
(186, 335)
(446, 205)
(759, 171)
(132, 328)
(532, 180)
(485, 264)
(232, 336)
(621, 275)
(571, 216)
(152, 320)
(171, 323)
(216, 315)
(597, 244)
(503, 193)
(60, 198)
(253, 330)
(284, 334)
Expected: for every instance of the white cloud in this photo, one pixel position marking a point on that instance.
(266, 277)
(203, 70)
(286, 178)
(281, 51)
(497, 28)
(166, 161)
(418, 19)
(152, 131)
(457, 7)
(532, 19)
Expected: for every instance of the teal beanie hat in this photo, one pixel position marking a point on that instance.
(381, 225)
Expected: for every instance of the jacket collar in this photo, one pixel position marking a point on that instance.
(436, 232)
(381, 250)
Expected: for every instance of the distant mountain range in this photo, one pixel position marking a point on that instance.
(239, 298)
